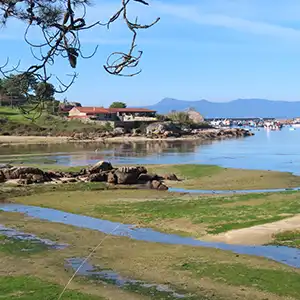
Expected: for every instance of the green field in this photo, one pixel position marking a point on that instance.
(200, 273)
(14, 122)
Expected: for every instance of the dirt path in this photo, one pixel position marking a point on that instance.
(257, 235)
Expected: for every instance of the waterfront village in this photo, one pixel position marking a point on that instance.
(123, 117)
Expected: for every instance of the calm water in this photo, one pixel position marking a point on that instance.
(285, 255)
(269, 150)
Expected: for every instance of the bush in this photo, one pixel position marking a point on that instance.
(180, 117)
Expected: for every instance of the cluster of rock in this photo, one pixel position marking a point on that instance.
(100, 172)
(163, 130)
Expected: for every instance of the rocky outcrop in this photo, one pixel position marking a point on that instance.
(100, 166)
(25, 174)
(162, 130)
(100, 172)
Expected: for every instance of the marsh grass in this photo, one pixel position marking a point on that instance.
(279, 282)
(19, 247)
(213, 213)
(149, 262)
(31, 288)
(287, 238)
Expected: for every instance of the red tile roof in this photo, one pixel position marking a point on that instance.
(102, 110)
(93, 110)
(131, 109)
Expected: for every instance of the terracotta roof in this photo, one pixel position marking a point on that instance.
(131, 109)
(99, 110)
(93, 110)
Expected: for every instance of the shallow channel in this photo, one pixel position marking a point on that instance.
(285, 255)
(94, 272)
(18, 235)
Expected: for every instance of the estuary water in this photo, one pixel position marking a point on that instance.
(267, 150)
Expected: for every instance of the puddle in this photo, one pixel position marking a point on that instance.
(221, 192)
(13, 233)
(285, 255)
(110, 276)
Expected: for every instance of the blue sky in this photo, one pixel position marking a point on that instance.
(217, 50)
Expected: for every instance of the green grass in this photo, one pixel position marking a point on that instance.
(217, 214)
(210, 177)
(7, 193)
(17, 124)
(279, 282)
(287, 238)
(189, 171)
(18, 247)
(31, 288)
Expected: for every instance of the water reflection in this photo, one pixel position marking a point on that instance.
(268, 150)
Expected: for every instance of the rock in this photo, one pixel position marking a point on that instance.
(2, 176)
(172, 177)
(5, 166)
(100, 166)
(13, 182)
(155, 184)
(100, 177)
(54, 174)
(26, 181)
(68, 180)
(118, 131)
(146, 177)
(162, 187)
(162, 128)
(111, 178)
(129, 175)
(18, 172)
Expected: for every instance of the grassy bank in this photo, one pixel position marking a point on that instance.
(183, 214)
(200, 273)
(210, 177)
(287, 238)
(24, 287)
(13, 122)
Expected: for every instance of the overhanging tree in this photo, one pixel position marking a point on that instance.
(60, 23)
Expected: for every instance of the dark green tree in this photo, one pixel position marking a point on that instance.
(118, 105)
(45, 91)
(20, 85)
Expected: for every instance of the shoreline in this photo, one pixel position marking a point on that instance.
(204, 135)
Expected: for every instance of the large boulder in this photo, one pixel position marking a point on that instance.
(129, 175)
(163, 128)
(172, 177)
(111, 178)
(2, 176)
(155, 184)
(100, 166)
(119, 131)
(23, 172)
(144, 177)
(98, 177)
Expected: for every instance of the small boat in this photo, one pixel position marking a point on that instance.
(292, 128)
(296, 125)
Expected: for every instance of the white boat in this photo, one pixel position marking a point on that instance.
(296, 125)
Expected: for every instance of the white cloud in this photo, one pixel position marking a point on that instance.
(195, 14)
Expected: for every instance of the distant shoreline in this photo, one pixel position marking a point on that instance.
(207, 135)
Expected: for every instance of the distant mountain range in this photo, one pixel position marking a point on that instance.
(240, 108)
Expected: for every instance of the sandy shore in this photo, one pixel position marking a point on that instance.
(7, 140)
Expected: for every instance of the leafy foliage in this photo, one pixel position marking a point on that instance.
(118, 105)
(180, 117)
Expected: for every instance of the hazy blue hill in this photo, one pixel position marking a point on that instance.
(234, 109)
